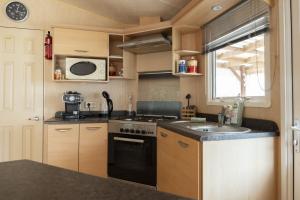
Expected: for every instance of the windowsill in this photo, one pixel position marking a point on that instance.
(248, 103)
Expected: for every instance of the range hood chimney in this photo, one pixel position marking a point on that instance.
(157, 42)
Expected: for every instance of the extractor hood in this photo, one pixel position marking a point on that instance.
(148, 44)
(156, 74)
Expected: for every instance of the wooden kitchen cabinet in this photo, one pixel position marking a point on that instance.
(62, 146)
(78, 147)
(238, 169)
(178, 162)
(74, 42)
(93, 149)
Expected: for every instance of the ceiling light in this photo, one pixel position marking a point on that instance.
(216, 7)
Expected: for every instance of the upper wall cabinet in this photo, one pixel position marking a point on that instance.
(187, 50)
(80, 43)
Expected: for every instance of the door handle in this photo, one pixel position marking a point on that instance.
(63, 129)
(163, 134)
(81, 51)
(296, 129)
(36, 118)
(93, 128)
(183, 144)
(129, 140)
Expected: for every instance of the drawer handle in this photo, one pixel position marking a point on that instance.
(93, 128)
(163, 134)
(63, 129)
(81, 51)
(183, 144)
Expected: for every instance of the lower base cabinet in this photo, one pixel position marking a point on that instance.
(77, 147)
(62, 146)
(178, 164)
(242, 169)
(93, 149)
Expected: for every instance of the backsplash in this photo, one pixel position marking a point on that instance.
(155, 89)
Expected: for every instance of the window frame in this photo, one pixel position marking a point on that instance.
(263, 102)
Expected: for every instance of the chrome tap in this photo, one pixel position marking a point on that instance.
(221, 116)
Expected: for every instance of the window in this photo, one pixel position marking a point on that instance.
(238, 55)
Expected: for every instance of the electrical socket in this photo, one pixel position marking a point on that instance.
(92, 104)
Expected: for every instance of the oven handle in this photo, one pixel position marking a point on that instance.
(129, 140)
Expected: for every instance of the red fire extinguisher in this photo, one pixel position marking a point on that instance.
(48, 46)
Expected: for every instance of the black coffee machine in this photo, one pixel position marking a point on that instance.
(72, 102)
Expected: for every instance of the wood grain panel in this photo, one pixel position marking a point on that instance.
(240, 169)
(154, 61)
(27, 135)
(62, 146)
(178, 161)
(28, 86)
(93, 149)
(6, 143)
(81, 43)
(8, 86)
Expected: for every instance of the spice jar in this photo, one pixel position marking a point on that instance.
(192, 65)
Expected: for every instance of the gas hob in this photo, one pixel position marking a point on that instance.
(144, 125)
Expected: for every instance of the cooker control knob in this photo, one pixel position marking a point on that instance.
(131, 130)
(137, 131)
(126, 130)
(121, 130)
(143, 132)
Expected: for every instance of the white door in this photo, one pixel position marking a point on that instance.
(296, 93)
(21, 94)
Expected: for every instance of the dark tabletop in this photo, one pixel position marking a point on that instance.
(205, 136)
(28, 180)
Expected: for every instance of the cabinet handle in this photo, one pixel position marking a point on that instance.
(183, 144)
(163, 134)
(93, 128)
(81, 51)
(63, 129)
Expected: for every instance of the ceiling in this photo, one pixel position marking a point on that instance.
(129, 11)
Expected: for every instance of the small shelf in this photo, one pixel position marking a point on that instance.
(188, 74)
(116, 57)
(187, 52)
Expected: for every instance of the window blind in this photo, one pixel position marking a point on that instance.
(247, 19)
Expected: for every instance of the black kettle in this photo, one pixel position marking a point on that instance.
(109, 102)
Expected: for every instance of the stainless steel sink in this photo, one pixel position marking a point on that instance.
(211, 127)
(223, 129)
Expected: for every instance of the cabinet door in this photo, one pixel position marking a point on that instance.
(177, 164)
(129, 65)
(80, 43)
(93, 149)
(62, 146)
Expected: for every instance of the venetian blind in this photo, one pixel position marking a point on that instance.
(247, 19)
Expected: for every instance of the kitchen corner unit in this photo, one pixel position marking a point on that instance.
(186, 44)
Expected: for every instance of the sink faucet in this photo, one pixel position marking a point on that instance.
(220, 119)
(221, 116)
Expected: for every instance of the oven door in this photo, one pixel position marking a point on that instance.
(85, 69)
(132, 158)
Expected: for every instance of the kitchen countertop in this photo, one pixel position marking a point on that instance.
(205, 136)
(28, 180)
(76, 121)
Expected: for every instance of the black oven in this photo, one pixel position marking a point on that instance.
(132, 158)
